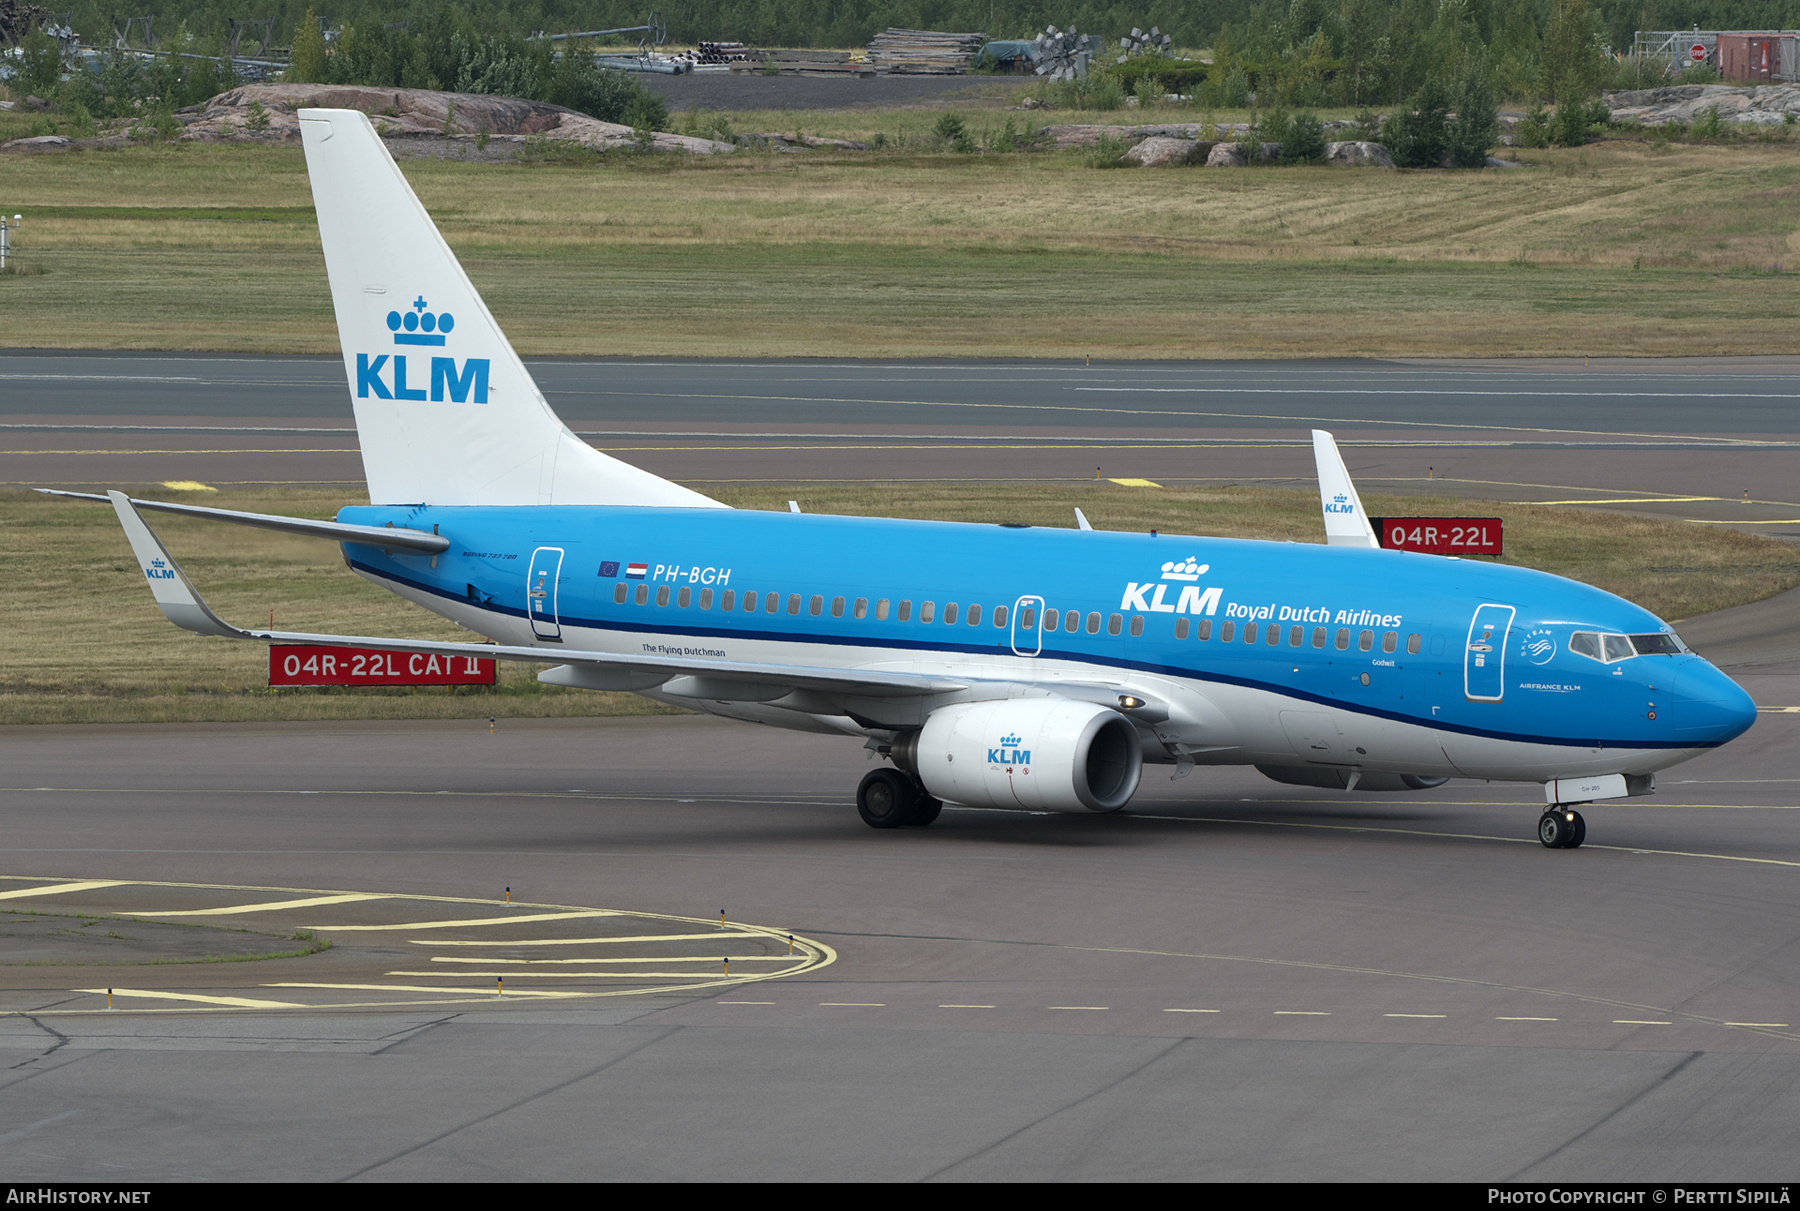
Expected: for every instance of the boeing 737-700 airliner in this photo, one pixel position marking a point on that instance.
(994, 666)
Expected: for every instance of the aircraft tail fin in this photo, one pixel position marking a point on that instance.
(446, 413)
(1346, 524)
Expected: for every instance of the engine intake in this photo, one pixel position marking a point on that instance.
(1049, 754)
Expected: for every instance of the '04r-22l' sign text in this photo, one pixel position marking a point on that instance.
(305, 665)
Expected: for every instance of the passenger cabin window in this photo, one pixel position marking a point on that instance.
(861, 608)
(643, 594)
(1225, 630)
(729, 599)
(1318, 637)
(1390, 641)
(772, 603)
(1137, 624)
(1249, 632)
(706, 599)
(1273, 634)
(1050, 620)
(949, 613)
(1295, 635)
(619, 592)
(926, 610)
(1027, 617)
(685, 597)
(837, 607)
(974, 615)
(1112, 624)
(1412, 645)
(881, 610)
(1000, 617)
(813, 607)
(1181, 628)
(1205, 630)
(1093, 623)
(662, 594)
(1366, 641)
(1343, 639)
(793, 603)
(906, 612)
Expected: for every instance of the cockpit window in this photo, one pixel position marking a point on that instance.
(1611, 648)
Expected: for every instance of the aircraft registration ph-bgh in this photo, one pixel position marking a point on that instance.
(995, 666)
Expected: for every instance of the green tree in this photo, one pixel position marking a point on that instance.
(1303, 142)
(1572, 60)
(1477, 125)
(308, 65)
(40, 65)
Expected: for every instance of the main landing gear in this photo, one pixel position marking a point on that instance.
(1562, 828)
(889, 798)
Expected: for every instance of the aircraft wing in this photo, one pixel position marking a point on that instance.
(182, 605)
(386, 537)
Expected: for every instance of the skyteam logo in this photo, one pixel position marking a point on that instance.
(1539, 646)
(418, 326)
(1010, 754)
(159, 570)
(1340, 504)
(1177, 573)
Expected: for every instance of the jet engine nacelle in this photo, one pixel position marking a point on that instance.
(1050, 754)
(1337, 778)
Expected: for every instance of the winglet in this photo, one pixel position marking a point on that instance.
(175, 594)
(1081, 521)
(1346, 525)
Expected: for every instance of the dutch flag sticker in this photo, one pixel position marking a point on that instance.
(636, 571)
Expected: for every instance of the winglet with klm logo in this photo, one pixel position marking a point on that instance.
(175, 596)
(1346, 524)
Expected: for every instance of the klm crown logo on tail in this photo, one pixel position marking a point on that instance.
(418, 326)
(1340, 504)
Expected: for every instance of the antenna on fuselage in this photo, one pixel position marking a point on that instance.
(1346, 524)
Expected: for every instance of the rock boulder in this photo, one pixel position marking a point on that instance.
(1358, 155)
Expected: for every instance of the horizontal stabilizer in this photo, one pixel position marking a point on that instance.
(1346, 524)
(387, 537)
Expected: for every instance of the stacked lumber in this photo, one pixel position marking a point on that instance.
(923, 52)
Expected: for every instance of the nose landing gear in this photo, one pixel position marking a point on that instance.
(889, 798)
(1562, 828)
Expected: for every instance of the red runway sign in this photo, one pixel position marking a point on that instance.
(1440, 535)
(298, 665)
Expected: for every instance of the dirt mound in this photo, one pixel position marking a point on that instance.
(415, 113)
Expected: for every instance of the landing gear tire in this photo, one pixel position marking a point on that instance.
(1561, 828)
(886, 799)
(925, 808)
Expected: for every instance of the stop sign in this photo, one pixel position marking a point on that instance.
(1698, 53)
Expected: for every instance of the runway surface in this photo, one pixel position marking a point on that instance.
(1233, 979)
(528, 979)
(1678, 439)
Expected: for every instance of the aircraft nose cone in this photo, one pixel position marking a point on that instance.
(1710, 707)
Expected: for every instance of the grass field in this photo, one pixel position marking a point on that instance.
(1618, 248)
(85, 643)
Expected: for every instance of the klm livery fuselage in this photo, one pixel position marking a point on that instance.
(1377, 659)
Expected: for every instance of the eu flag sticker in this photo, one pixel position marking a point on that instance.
(609, 567)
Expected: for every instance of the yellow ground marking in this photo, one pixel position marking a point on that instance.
(1627, 500)
(1191, 1011)
(714, 936)
(832, 1004)
(1078, 1007)
(1556, 1019)
(473, 921)
(557, 975)
(57, 889)
(267, 906)
(965, 1006)
(233, 1002)
(629, 959)
(410, 988)
(1765, 1025)
(1302, 1013)
(1135, 483)
(1743, 521)
(187, 485)
(743, 1002)
(1638, 1022)
(1415, 1015)
(1779, 710)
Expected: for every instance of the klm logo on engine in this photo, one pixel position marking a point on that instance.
(385, 376)
(1180, 575)
(1009, 752)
